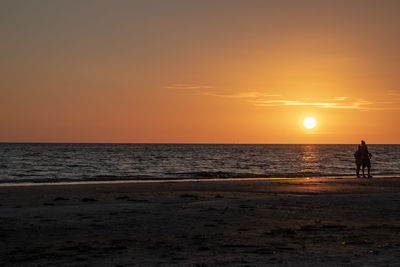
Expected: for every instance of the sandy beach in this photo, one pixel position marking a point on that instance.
(318, 221)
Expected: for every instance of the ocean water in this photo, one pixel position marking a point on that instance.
(22, 162)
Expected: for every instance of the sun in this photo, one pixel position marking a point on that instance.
(309, 122)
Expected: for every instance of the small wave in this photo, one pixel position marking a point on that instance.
(66, 180)
(386, 173)
(253, 175)
(218, 175)
(38, 180)
(78, 166)
(27, 175)
(121, 177)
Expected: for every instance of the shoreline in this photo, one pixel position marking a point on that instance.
(190, 180)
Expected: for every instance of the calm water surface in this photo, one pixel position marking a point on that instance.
(82, 162)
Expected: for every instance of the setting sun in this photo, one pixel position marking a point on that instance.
(309, 122)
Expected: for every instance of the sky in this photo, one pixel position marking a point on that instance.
(199, 71)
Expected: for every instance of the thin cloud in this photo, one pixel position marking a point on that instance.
(242, 95)
(358, 104)
(186, 86)
(339, 98)
(270, 100)
(264, 99)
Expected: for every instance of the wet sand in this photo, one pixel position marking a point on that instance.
(318, 221)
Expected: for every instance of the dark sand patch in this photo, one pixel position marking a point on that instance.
(308, 222)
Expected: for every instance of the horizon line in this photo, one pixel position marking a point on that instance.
(188, 143)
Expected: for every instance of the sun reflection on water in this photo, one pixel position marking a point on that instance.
(308, 159)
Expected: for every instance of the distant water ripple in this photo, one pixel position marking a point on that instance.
(82, 162)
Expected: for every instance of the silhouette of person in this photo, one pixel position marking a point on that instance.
(365, 158)
(357, 157)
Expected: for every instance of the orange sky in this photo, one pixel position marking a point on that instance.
(199, 71)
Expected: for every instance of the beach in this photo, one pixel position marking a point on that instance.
(296, 221)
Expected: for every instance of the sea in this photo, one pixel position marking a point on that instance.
(64, 162)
